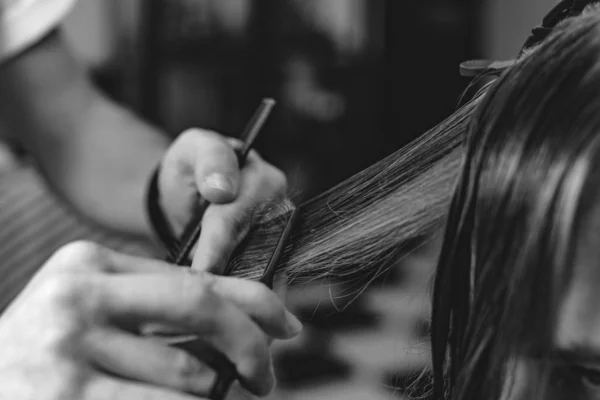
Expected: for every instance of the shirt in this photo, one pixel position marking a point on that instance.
(24, 22)
(34, 222)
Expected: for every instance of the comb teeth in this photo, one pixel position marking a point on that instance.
(271, 268)
(253, 257)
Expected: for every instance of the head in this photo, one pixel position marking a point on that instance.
(516, 311)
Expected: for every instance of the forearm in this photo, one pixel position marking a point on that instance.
(93, 152)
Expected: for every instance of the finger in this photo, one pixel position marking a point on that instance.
(216, 168)
(199, 311)
(225, 225)
(84, 256)
(223, 228)
(148, 360)
(129, 264)
(112, 388)
(260, 384)
(89, 257)
(260, 303)
(199, 162)
(200, 302)
(245, 302)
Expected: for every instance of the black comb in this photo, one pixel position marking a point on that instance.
(180, 253)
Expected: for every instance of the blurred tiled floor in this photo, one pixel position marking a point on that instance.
(391, 343)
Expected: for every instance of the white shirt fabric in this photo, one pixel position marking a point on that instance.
(24, 22)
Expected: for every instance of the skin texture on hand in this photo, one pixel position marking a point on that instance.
(203, 162)
(99, 157)
(73, 333)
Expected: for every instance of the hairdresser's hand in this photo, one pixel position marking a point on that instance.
(204, 162)
(72, 334)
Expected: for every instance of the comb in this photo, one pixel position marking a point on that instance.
(180, 253)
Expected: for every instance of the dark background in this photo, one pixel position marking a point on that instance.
(338, 110)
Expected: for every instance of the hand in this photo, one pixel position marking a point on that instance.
(72, 334)
(204, 163)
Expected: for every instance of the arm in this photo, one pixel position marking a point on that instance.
(99, 157)
(93, 152)
(53, 346)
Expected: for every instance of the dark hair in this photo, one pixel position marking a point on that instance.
(513, 221)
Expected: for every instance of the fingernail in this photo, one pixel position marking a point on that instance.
(294, 324)
(219, 181)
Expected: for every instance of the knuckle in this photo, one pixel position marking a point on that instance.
(202, 305)
(78, 254)
(267, 301)
(239, 223)
(70, 293)
(280, 315)
(259, 347)
(66, 321)
(192, 135)
(64, 289)
(258, 350)
(198, 287)
(58, 340)
(187, 369)
(255, 364)
(263, 295)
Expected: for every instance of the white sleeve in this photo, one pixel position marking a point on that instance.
(23, 22)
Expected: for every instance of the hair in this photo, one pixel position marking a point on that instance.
(511, 198)
(362, 226)
(529, 180)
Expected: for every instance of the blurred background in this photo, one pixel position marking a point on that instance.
(354, 80)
